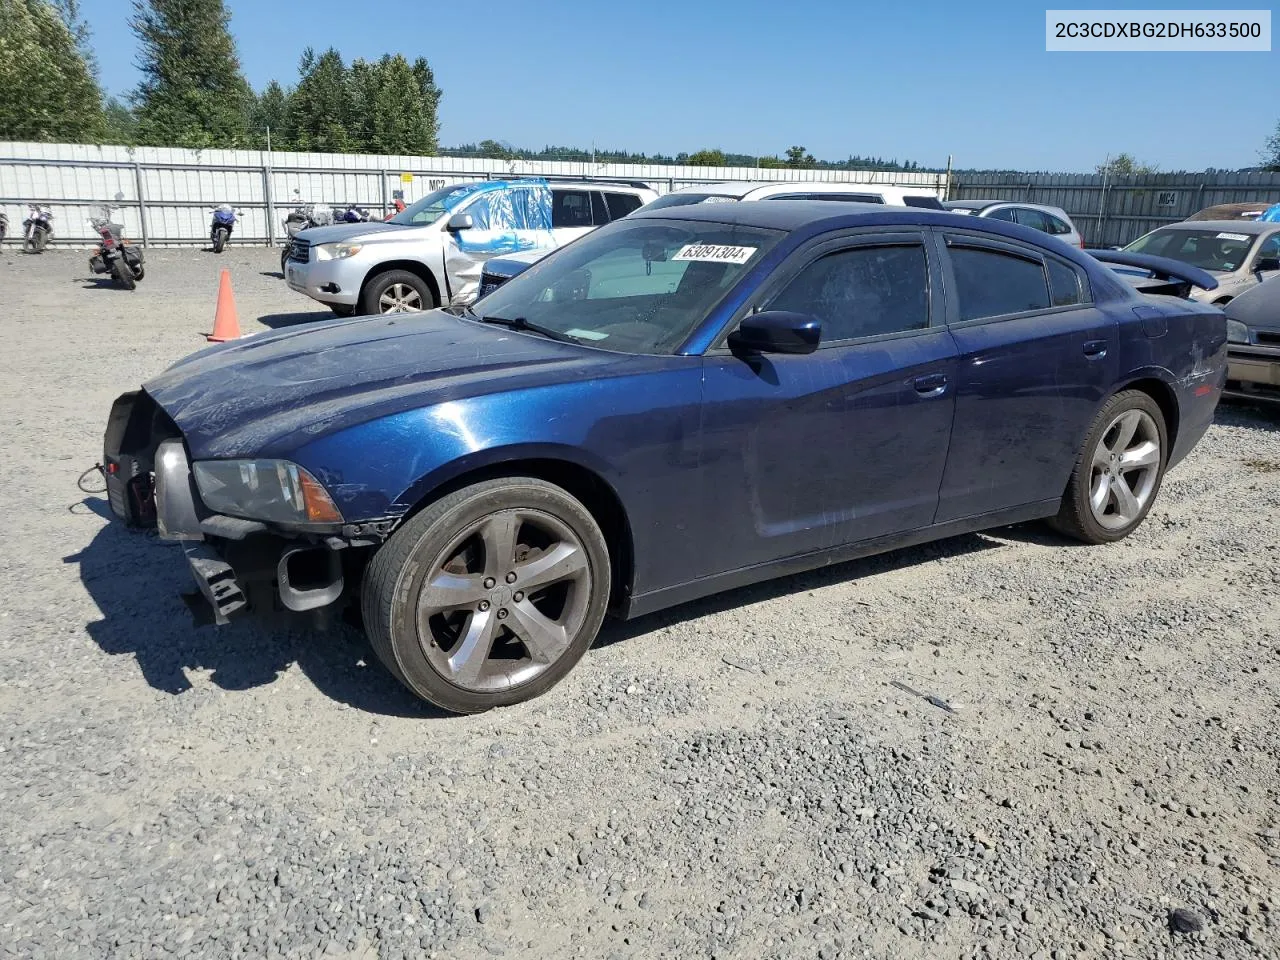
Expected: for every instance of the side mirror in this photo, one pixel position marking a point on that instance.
(1266, 264)
(777, 331)
(460, 221)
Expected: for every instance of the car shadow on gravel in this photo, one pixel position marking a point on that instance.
(136, 580)
(615, 630)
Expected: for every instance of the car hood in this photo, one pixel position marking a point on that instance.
(346, 231)
(268, 394)
(1258, 307)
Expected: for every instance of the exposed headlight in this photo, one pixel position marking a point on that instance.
(273, 490)
(336, 251)
(1237, 332)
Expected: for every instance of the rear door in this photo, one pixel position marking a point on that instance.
(571, 214)
(804, 453)
(1037, 359)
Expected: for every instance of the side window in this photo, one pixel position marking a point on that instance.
(1270, 247)
(570, 208)
(1056, 226)
(599, 212)
(1064, 284)
(620, 204)
(1031, 218)
(1004, 213)
(990, 283)
(862, 292)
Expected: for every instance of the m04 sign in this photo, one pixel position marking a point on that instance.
(1167, 198)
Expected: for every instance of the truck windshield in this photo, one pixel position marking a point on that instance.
(635, 286)
(427, 210)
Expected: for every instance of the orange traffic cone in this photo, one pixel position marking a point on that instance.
(226, 322)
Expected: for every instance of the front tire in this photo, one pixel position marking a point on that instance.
(219, 240)
(124, 276)
(284, 256)
(489, 596)
(396, 291)
(1118, 473)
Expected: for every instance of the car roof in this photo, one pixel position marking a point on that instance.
(1252, 227)
(984, 204)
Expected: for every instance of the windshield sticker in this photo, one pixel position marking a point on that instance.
(714, 253)
(718, 199)
(587, 334)
(1242, 237)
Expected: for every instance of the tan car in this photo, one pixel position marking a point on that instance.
(1238, 253)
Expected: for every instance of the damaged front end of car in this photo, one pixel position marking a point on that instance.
(259, 535)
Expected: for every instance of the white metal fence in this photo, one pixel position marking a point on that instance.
(168, 194)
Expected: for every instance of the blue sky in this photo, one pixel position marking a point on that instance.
(913, 80)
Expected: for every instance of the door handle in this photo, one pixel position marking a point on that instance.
(1095, 349)
(930, 385)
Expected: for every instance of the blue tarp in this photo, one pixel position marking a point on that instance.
(509, 215)
(1271, 214)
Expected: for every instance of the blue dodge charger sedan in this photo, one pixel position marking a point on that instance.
(682, 402)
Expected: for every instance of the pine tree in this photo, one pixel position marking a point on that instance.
(47, 91)
(119, 123)
(192, 93)
(269, 119)
(396, 117)
(322, 110)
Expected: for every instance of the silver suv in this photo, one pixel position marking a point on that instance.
(431, 253)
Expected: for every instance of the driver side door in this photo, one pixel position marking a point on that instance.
(803, 453)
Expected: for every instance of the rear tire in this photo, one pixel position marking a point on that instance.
(396, 291)
(124, 276)
(219, 240)
(444, 600)
(1118, 473)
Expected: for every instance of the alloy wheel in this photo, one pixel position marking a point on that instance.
(504, 600)
(1126, 469)
(400, 298)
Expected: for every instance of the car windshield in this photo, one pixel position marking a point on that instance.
(682, 199)
(1221, 250)
(427, 210)
(636, 286)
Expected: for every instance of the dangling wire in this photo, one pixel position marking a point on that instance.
(98, 469)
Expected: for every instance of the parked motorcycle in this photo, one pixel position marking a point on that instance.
(303, 217)
(355, 214)
(222, 226)
(4, 225)
(37, 228)
(115, 255)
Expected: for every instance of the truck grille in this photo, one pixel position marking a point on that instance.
(1267, 337)
(300, 251)
(490, 282)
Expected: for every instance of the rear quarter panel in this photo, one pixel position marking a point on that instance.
(1183, 344)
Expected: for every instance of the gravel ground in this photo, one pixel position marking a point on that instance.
(735, 778)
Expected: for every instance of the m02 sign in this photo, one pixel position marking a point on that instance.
(1167, 198)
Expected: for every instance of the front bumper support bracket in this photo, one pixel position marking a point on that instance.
(216, 580)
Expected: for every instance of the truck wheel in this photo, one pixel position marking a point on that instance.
(396, 291)
(1118, 473)
(489, 596)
